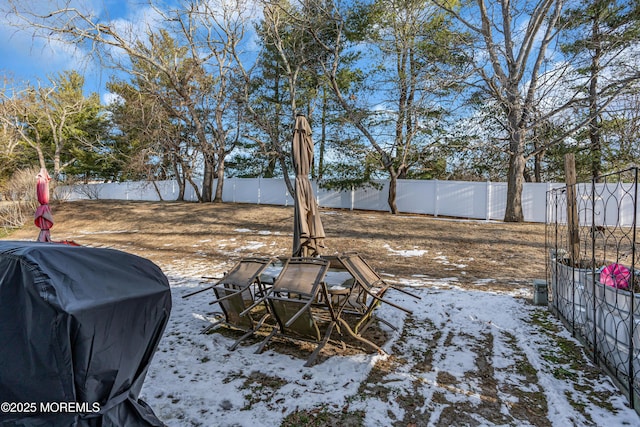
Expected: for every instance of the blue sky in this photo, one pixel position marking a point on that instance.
(25, 58)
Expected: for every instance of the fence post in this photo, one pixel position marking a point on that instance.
(488, 210)
(436, 198)
(632, 371)
(353, 197)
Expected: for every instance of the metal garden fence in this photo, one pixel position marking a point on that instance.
(594, 286)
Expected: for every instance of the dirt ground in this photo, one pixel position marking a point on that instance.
(406, 246)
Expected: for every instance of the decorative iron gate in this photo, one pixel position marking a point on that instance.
(593, 282)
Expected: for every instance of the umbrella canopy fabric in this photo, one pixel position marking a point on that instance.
(308, 233)
(43, 216)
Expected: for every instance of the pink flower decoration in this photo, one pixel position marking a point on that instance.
(615, 275)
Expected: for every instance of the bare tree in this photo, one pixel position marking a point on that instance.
(10, 146)
(198, 79)
(515, 37)
(600, 37)
(19, 116)
(286, 55)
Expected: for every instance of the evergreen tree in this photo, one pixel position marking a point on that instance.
(600, 37)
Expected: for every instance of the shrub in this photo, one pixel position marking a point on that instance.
(20, 200)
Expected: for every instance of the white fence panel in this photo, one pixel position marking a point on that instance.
(497, 201)
(372, 199)
(190, 192)
(335, 199)
(627, 197)
(479, 200)
(416, 196)
(246, 190)
(534, 195)
(142, 191)
(166, 189)
(611, 196)
(114, 190)
(68, 193)
(273, 191)
(462, 199)
(229, 190)
(584, 204)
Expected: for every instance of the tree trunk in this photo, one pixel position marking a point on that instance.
(594, 116)
(287, 181)
(181, 188)
(220, 180)
(43, 164)
(207, 179)
(515, 178)
(393, 189)
(538, 165)
(323, 136)
(195, 187)
(179, 173)
(155, 186)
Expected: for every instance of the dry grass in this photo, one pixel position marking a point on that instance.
(218, 234)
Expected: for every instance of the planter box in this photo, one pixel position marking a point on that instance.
(586, 306)
(613, 327)
(572, 293)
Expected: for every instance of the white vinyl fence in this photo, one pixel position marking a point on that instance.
(477, 200)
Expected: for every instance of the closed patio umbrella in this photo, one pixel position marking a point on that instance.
(43, 216)
(308, 233)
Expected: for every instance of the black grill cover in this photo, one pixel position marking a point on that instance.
(79, 325)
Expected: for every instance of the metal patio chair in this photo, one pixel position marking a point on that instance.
(368, 293)
(298, 303)
(237, 291)
(305, 308)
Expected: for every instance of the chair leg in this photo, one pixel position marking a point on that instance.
(249, 333)
(266, 341)
(395, 328)
(360, 338)
(380, 319)
(235, 344)
(212, 326)
(312, 359)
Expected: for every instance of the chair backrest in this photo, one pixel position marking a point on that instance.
(234, 289)
(293, 293)
(243, 274)
(245, 271)
(370, 283)
(361, 271)
(301, 276)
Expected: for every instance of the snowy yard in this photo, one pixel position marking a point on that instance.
(464, 358)
(476, 352)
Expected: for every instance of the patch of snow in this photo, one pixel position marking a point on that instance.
(442, 259)
(406, 253)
